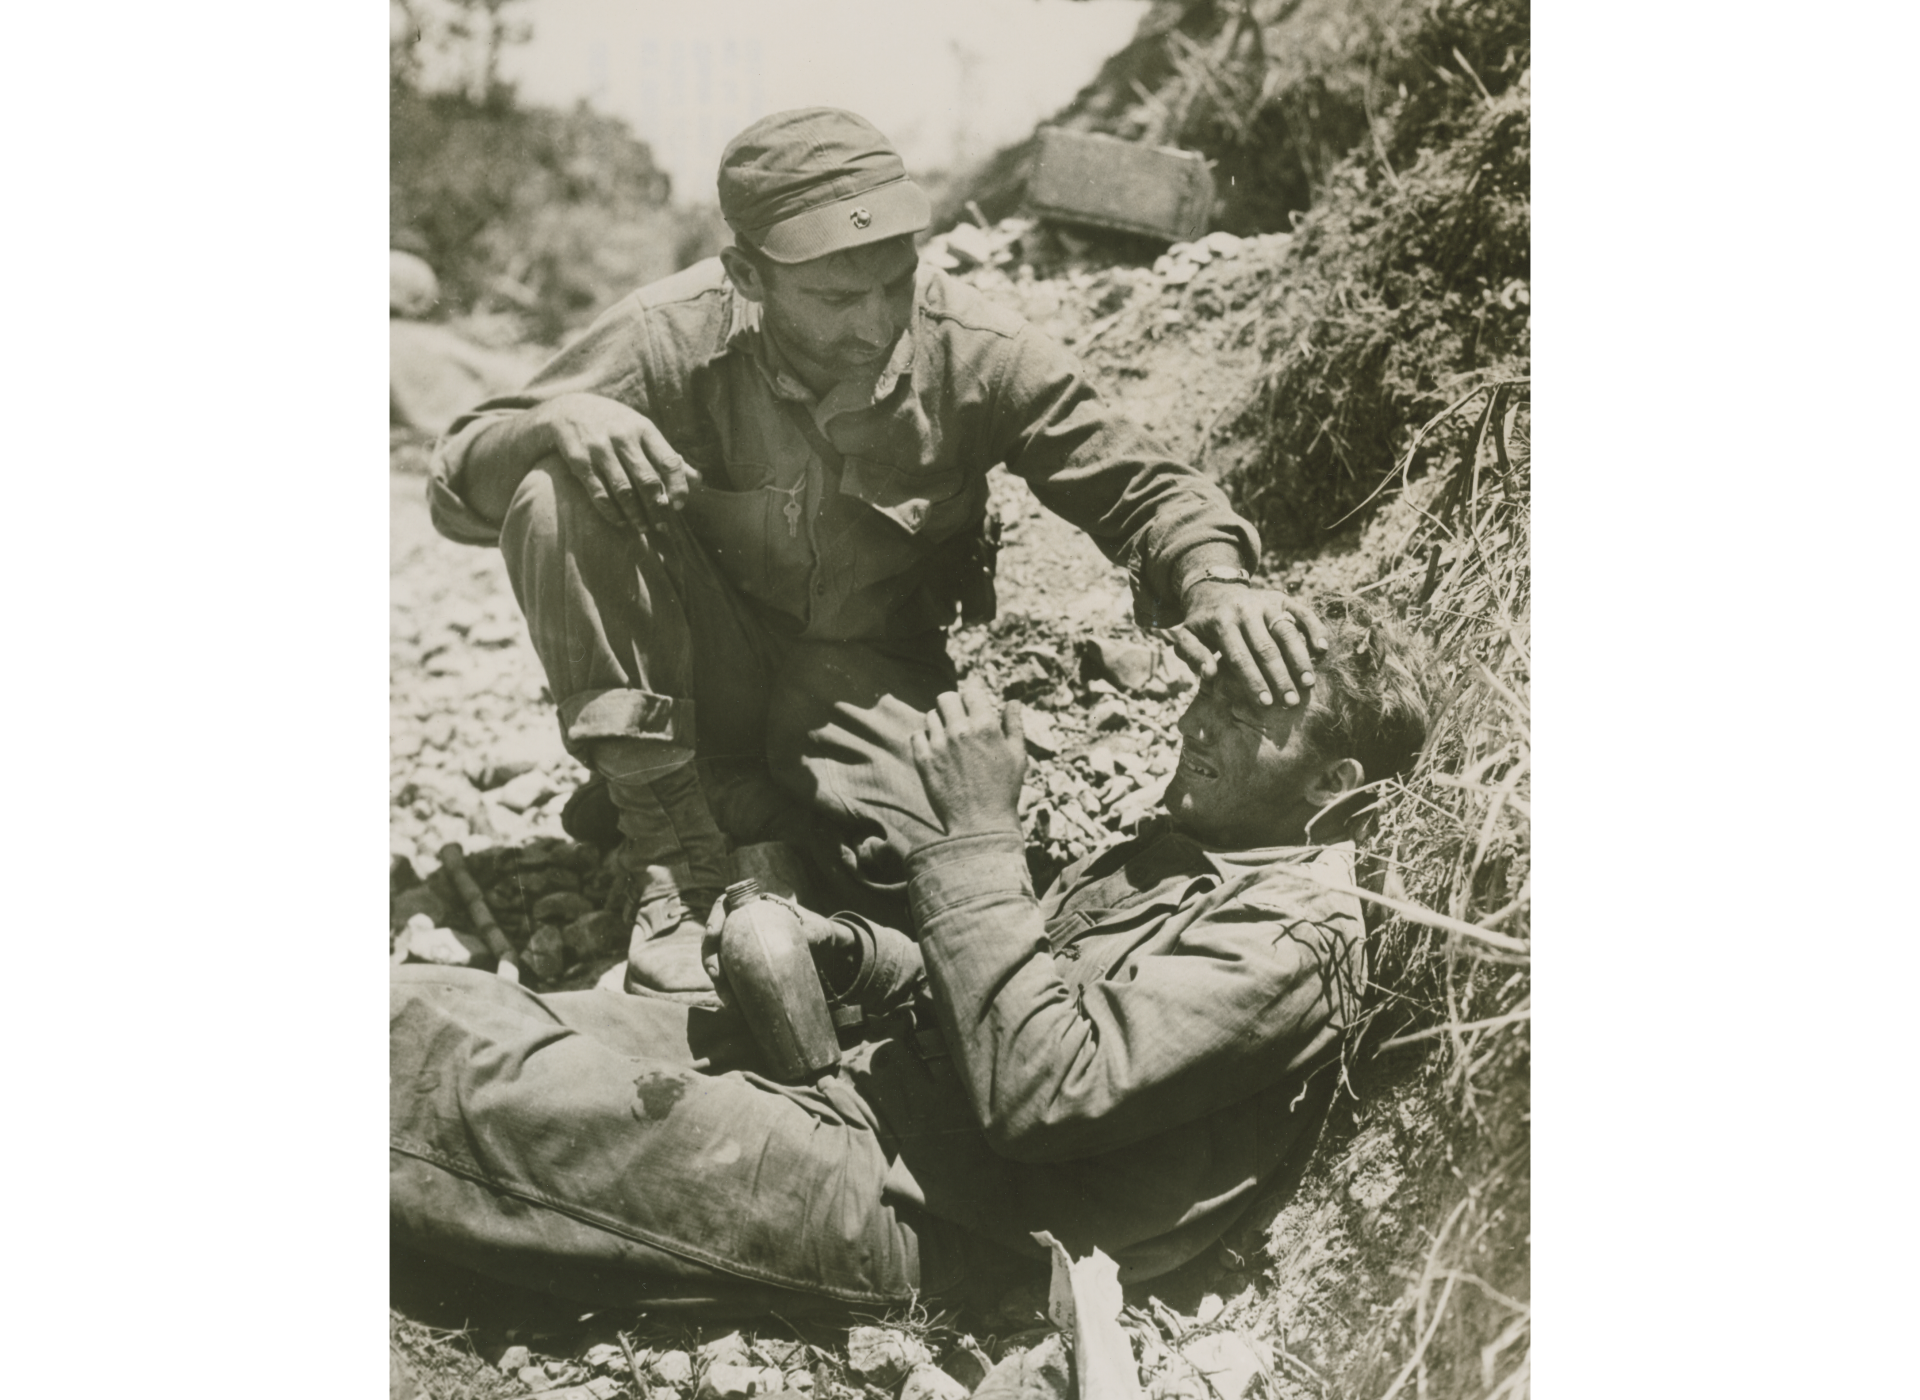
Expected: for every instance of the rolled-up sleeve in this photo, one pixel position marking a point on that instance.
(1091, 465)
(606, 360)
(1254, 988)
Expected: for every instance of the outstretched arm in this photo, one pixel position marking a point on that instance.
(1165, 520)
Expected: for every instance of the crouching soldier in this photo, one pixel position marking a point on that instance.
(1125, 1062)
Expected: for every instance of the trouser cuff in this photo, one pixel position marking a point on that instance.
(591, 715)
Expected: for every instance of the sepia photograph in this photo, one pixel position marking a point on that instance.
(960, 699)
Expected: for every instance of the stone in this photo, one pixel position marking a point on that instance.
(597, 931)
(1040, 1374)
(599, 1388)
(1226, 1359)
(438, 730)
(969, 243)
(527, 790)
(1101, 760)
(419, 901)
(561, 907)
(605, 1356)
(672, 1367)
(1043, 739)
(932, 1383)
(545, 955)
(412, 289)
(967, 1363)
(1108, 714)
(495, 632)
(408, 743)
(1223, 244)
(1127, 664)
(883, 1356)
(509, 758)
(428, 943)
(401, 876)
(535, 1378)
(725, 1381)
(730, 1349)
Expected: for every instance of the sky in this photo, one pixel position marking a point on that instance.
(949, 81)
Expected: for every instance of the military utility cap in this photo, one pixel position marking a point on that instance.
(799, 185)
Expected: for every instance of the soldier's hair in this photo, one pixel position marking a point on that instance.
(1373, 690)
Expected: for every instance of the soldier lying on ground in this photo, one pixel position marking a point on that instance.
(757, 491)
(1126, 1062)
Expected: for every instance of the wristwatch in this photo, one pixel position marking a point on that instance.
(1220, 573)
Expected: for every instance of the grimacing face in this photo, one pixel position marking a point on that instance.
(1244, 770)
(839, 316)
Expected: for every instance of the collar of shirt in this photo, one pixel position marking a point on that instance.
(746, 334)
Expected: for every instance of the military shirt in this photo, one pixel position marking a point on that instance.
(859, 514)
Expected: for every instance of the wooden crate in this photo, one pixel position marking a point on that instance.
(1084, 177)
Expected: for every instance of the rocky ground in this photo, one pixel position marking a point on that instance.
(476, 760)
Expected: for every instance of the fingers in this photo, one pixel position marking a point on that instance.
(669, 474)
(611, 470)
(951, 711)
(1237, 659)
(1196, 653)
(1292, 654)
(1309, 622)
(575, 450)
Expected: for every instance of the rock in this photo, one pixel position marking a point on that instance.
(509, 758)
(931, 1383)
(527, 790)
(535, 1378)
(1108, 714)
(419, 901)
(1226, 1359)
(967, 1363)
(599, 1388)
(1043, 739)
(883, 1356)
(1040, 1374)
(673, 1367)
(1223, 244)
(408, 743)
(970, 244)
(1210, 1308)
(598, 931)
(1101, 760)
(412, 289)
(428, 943)
(606, 1357)
(438, 730)
(401, 876)
(725, 1381)
(513, 1359)
(401, 1384)
(546, 953)
(495, 632)
(561, 907)
(1128, 664)
(730, 1350)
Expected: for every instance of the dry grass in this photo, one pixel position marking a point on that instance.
(1452, 954)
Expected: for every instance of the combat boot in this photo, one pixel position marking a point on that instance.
(671, 865)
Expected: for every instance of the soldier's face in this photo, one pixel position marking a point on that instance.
(1243, 772)
(843, 312)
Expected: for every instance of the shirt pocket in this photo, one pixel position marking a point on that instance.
(747, 534)
(928, 504)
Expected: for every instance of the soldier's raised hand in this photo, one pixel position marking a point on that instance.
(972, 756)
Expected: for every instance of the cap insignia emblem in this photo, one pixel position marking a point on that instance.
(861, 218)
